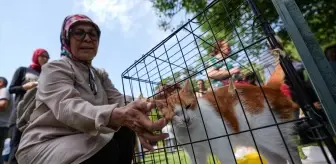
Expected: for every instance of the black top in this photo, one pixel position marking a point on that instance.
(21, 76)
(306, 85)
(311, 91)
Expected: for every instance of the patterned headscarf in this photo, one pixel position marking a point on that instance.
(68, 22)
(35, 63)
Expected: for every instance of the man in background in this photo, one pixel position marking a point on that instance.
(5, 110)
(330, 53)
(201, 88)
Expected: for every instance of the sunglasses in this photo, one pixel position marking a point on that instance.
(79, 34)
(44, 56)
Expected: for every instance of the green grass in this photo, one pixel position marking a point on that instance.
(162, 157)
(180, 157)
(302, 155)
(177, 157)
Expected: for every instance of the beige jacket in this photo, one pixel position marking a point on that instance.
(74, 126)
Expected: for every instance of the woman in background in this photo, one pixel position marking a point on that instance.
(218, 73)
(24, 79)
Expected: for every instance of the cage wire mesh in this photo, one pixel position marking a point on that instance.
(188, 54)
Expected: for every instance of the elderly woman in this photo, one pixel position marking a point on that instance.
(82, 118)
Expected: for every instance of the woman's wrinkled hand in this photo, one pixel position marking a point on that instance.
(134, 116)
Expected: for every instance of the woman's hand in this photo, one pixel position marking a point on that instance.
(29, 85)
(134, 116)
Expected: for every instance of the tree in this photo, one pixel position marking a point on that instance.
(320, 15)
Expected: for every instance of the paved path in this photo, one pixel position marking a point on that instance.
(315, 155)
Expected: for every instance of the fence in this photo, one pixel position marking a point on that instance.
(242, 110)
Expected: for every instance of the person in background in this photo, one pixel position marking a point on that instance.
(164, 90)
(6, 151)
(82, 117)
(218, 72)
(170, 142)
(250, 78)
(5, 110)
(306, 84)
(24, 79)
(330, 53)
(201, 88)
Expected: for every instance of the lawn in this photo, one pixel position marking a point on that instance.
(180, 157)
(161, 156)
(177, 157)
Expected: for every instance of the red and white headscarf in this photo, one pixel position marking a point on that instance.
(35, 63)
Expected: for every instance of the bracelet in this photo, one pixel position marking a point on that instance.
(110, 121)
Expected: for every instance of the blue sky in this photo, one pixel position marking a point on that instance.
(129, 29)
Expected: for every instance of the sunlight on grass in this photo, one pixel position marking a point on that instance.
(180, 157)
(177, 157)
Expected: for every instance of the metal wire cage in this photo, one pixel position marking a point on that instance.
(194, 52)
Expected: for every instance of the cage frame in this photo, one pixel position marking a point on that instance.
(284, 61)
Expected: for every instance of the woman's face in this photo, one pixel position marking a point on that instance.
(226, 49)
(43, 58)
(84, 41)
